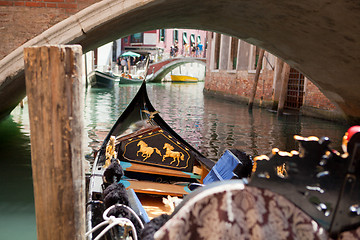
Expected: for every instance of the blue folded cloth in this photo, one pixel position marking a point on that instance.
(223, 169)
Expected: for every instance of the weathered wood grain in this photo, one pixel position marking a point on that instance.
(54, 90)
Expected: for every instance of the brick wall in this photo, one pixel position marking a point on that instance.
(316, 104)
(68, 5)
(316, 99)
(22, 20)
(239, 84)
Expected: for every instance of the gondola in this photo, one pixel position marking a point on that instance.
(128, 79)
(149, 161)
(319, 180)
(313, 193)
(99, 79)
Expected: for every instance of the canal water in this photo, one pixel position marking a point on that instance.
(209, 124)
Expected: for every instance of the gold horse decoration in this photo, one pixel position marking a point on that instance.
(176, 156)
(110, 152)
(145, 150)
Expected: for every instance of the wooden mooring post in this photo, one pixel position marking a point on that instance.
(277, 83)
(284, 87)
(55, 97)
(256, 80)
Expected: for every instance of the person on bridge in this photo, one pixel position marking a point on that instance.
(186, 51)
(176, 48)
(200, 46)
(193, 50)
(172, 51)
(118, 62)
(197, 50)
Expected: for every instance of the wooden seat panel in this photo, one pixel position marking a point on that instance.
(142, 168)
(156, 188)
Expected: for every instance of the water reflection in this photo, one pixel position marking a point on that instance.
(229, 124)
(209, 124)
(102, 108)
(17, 214)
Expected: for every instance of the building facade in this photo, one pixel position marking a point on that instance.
(230, 73)
(159, 43)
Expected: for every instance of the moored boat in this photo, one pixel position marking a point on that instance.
(102, 79)
(126, 78)
(129, 79)
(183, 78)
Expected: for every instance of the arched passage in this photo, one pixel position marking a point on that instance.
(318, 38)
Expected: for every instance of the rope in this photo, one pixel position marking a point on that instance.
(124, 206)
(112, 221)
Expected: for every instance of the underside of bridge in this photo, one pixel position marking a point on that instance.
(319, 38)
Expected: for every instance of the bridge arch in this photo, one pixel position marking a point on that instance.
(319, 38)
(159, 70)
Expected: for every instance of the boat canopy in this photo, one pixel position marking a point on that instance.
(130, 54)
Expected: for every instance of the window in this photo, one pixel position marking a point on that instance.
(233, 52)
(217, 50)
(192, 39)
(198, 39)
(185, 40)
(176, 36)
(257, 52)
(114, 50)
(95, 57)
(162, 35)
(136, 38)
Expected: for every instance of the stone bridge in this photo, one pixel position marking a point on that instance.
(319, 38)
(158, 71)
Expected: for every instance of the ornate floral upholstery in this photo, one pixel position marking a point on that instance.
(235, 211)
(350, 235)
